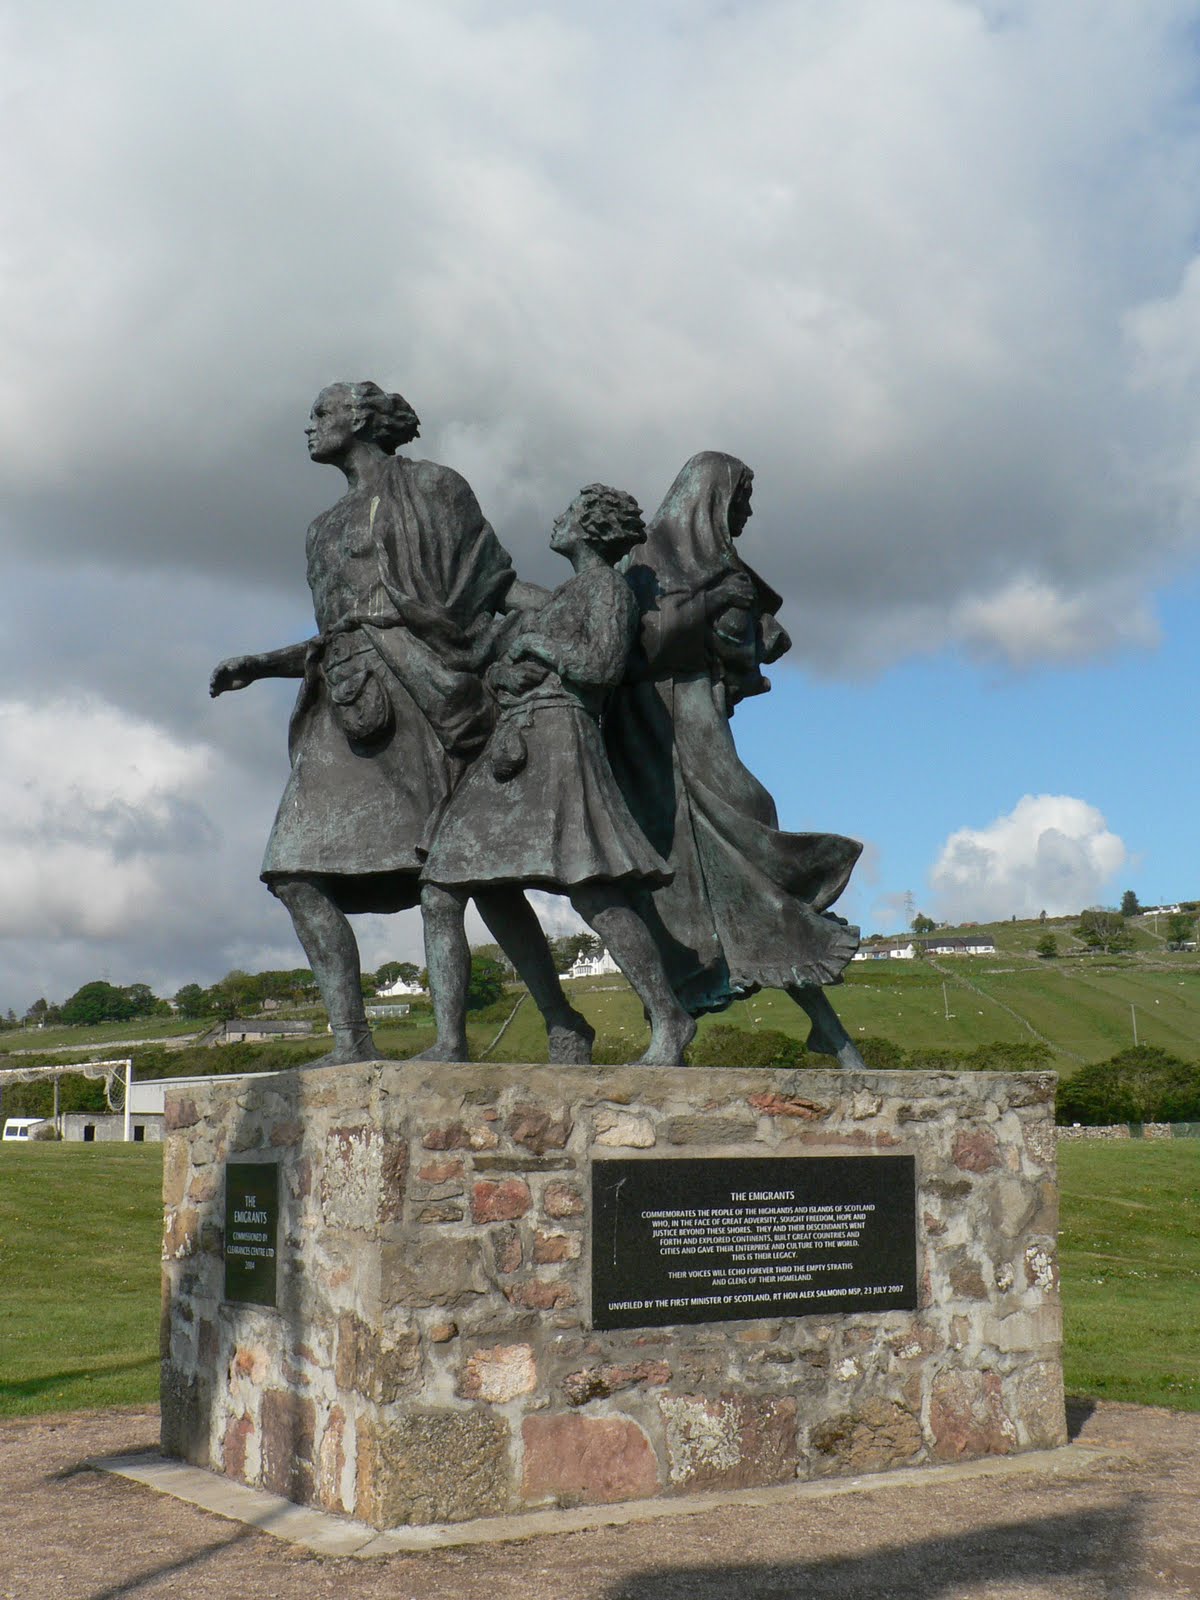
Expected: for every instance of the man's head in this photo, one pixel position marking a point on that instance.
(343, 412)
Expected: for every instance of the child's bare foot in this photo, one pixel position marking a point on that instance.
(668, 1041)
(570, 1038)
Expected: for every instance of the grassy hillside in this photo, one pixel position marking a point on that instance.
(79, 1273)
(1080, 1005)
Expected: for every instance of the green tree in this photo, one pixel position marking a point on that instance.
(1129, 904)
(923, 924)
(97, 1002)
(1101, 929)
(237, 993)
(1141, 1084)
(391, 971)
(1047, 947)
(143, 1001)
(1180, 927)
(567, 950)
(487, 982)
(192, 1001)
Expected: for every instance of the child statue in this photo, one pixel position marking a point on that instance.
(540, 807)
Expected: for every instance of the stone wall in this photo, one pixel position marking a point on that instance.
(431, 1357)
(1132, 1130)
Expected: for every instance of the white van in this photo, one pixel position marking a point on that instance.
(21, 1127)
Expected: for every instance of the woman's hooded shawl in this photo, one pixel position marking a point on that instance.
(744, 908)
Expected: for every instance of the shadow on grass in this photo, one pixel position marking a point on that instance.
(1101, 1544)
(31, 1388)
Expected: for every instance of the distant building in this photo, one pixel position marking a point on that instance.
(592, 966)
(978, 944)
(887, 950)
(936, 944)
(400, 987)
(146, 1111)
(91, 1127)
(254, 1030)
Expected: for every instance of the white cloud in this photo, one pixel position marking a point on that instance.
(1030, 620)
(916, 262)
(1050, 852)
(90, 801)
(128, 853)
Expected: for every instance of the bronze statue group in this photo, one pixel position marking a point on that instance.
(461, 734)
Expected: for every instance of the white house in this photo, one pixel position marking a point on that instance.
(592, 966)
(975, 944)
(399, 989)
(886, 950)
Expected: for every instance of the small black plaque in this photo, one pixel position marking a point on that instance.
(716, 1239)
(251, 1231)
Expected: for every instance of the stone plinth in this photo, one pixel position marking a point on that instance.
(431, 1358)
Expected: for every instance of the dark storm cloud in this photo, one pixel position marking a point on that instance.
(925, 266)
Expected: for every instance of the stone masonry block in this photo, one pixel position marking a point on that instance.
(432, 1466)
(350, 1182)
(368, 1363)
(879, 1435)
(288, 1430)
(500, 1201)
(434, 1269)
(578, 1460)
(499, 1374)
(967, 1416)
(730, 1443)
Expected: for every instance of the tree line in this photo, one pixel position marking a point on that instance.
(239, 992)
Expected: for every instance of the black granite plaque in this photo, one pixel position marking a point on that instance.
(251, 1231)
(717, 1239)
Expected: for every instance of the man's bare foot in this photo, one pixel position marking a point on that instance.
(668, 1042)
(455, 1050)
(349, 1047)
(569, 1039)
(848, 1057)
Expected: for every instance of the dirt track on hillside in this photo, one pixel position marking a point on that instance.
(1128, 1529)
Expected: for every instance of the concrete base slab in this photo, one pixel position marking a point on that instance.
(329, 1535)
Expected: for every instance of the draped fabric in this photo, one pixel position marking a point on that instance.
(357, 809)
(555, 816)
(745, 907)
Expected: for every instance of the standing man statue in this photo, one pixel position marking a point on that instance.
(412, 591)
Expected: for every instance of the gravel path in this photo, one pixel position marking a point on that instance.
(1126, 1530)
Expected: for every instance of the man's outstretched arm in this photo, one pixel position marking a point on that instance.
(236, 672)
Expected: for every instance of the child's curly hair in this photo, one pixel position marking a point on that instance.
(611, 518)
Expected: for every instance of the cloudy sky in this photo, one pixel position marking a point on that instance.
(931, 266)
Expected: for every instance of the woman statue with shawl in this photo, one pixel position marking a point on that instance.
(746, 907)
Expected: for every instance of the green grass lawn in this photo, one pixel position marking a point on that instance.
(1130, 1255)
(79, 1274)
(80, 1227)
